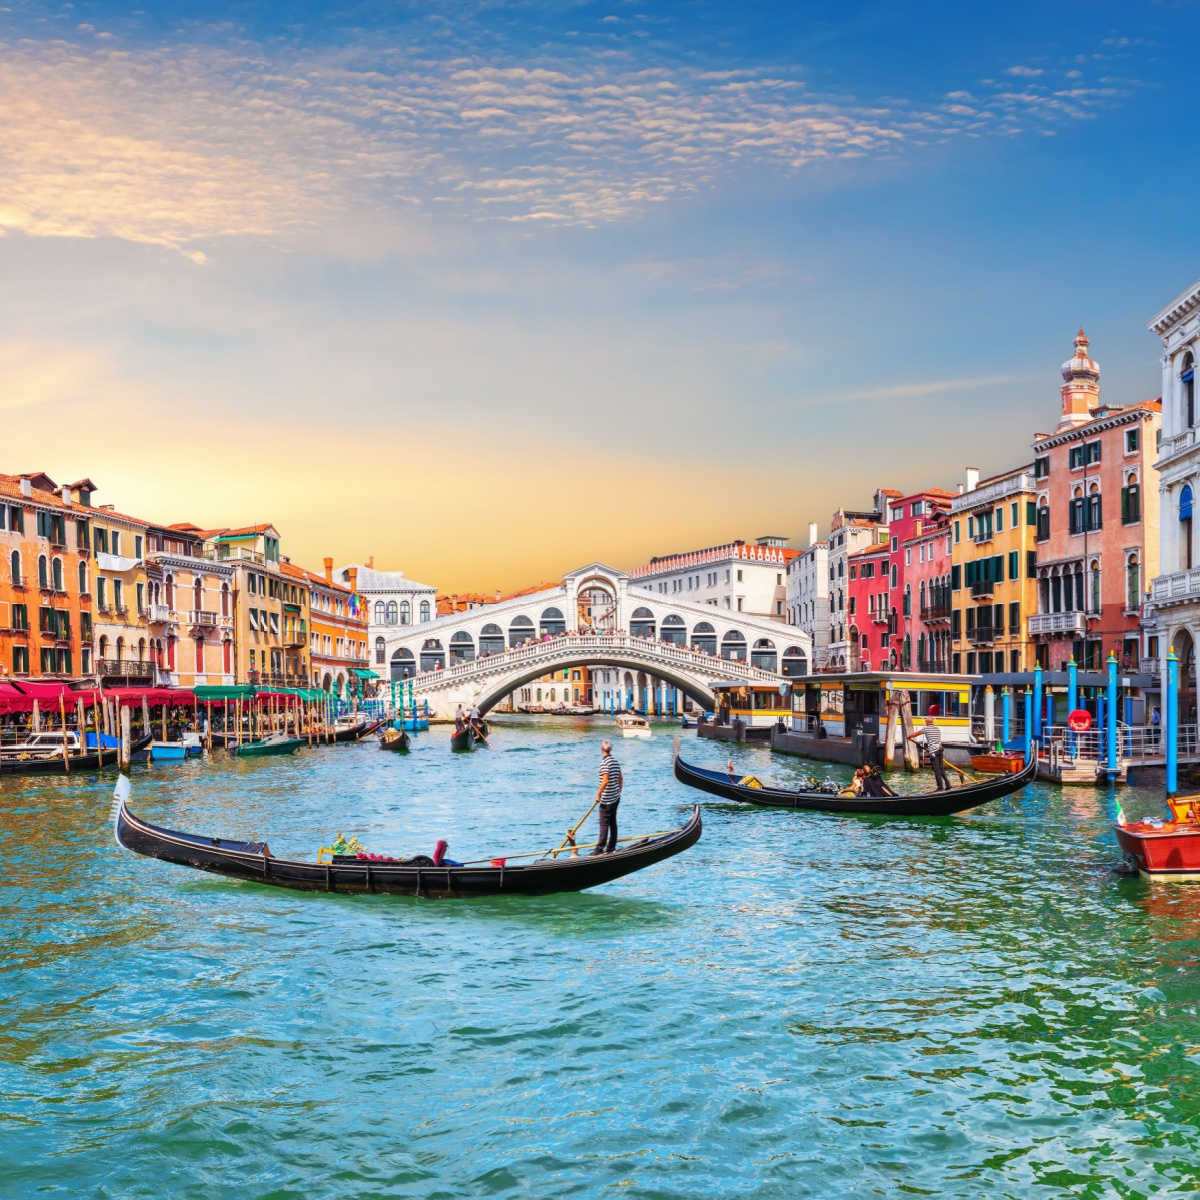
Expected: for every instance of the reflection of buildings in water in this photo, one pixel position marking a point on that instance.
(1090, 803)
(1175, 908)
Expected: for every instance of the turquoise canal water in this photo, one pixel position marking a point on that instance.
(802, 1005)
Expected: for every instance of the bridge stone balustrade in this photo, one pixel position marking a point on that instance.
(486, 681)
(683, 642)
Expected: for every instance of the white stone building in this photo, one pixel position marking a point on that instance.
(849, 532)
(736, 576)
(808, 595)
(393, 600)
(1172, 619)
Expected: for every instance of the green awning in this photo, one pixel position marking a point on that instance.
(221, 692)
(363, 674)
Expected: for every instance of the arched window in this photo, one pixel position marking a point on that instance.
(14, 566)
(380, 651)
(141, 650)
(551, 623)
(1094, 571)
(1187, 378)
(424, 611)
(1095, 516)
(43, 572)
(120, 648)
(1131, 500)
(103, 646)
(1185, 527)
(56, 574)
(225, 602)
(380, 612)
(170, 581)
(198, 602)
(405, 613)
(641, 624)
(83, 579)
(1133, 583)
(1078, 513)
(393, 610)
(1043, 521)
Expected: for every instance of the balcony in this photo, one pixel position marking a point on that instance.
(1180, 587)
(202, 619)
(981, 588)
(1048, 624)
(984, 635)
(130, 669)
(935, 612)
(161, 614)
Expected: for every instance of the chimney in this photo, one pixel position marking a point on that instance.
(328, 569)
(65, 493)
(497, 595)
(812, 533)
(26, 489)
(371, 562)
(353, 573)
(971, 474)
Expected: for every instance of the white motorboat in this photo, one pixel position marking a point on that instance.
(632, 726)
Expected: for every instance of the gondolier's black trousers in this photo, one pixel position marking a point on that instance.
(606, 840)
(938, 763)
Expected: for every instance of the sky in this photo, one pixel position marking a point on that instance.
(491, 290)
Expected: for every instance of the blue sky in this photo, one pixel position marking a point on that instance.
(619, 278)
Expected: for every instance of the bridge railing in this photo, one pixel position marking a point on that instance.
(650, 650)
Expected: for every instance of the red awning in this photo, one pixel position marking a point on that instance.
(131, 697)
(19, 696)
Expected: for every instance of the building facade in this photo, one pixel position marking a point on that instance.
(925, 605)
(994, 573)
(338, 636)
(849, 532)
(736, 576)
(808, 595)
(189, 609)
(868, 608)
(46, 611)
(392, 601)
(1173, 615)
(1097, 519)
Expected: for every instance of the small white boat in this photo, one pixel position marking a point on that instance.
(633, 726)
(42, 745)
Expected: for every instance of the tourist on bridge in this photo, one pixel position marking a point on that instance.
(608, 796)
(933, 746)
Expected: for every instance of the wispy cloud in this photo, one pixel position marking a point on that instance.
(183, 145)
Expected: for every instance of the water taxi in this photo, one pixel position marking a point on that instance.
(1164, 849)
(632, 726)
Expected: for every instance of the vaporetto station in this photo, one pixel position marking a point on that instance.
(653, 649)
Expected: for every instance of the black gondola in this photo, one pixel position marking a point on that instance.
(92, 761)
(356, 733)
(462, 739)
(252, 861)
(920, 804)
(394, 739)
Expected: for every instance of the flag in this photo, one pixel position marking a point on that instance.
(1120, 814)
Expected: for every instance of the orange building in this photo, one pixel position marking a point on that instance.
(45, 578)
(337, 629)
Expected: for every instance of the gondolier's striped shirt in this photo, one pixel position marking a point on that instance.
(933, 738)
(612, 789)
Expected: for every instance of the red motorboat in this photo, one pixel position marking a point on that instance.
(1165, 849)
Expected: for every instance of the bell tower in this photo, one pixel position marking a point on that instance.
(1081, 385)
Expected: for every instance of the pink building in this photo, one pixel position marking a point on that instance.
(869, 607)
(1097, 522)
(905, 516)
(926, 600)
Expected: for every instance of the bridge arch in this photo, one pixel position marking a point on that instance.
(704, 637)
(795, 662)
(763, 655)
(733, 645)
(491, 640)
(403, 665)
(433, 656)
(641, 623)
(520, 629)
(497, 690)
(462, 647)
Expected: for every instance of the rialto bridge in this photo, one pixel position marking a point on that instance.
(595, 617)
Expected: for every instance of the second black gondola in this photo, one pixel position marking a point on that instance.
(920, 804)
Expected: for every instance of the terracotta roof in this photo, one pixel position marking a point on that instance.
(240, 531)
(881, 548)
(10, 485)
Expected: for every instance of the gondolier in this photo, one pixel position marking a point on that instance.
(608, 796)
(933, 747)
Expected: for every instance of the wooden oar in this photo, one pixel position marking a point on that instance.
(964, 774)
(569, 840)
(476, 731)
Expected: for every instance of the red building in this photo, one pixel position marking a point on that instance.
(926, 599)
(868, 604)
(906, 515)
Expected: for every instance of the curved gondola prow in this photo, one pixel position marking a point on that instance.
(121, 793)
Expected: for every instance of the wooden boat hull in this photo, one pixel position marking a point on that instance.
(923, 804)
(998, 764)
(252, 861)
(1168, 851)
(463, 740)
(396, 740)
(356, 733)
(268, 749)
(94, 760)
